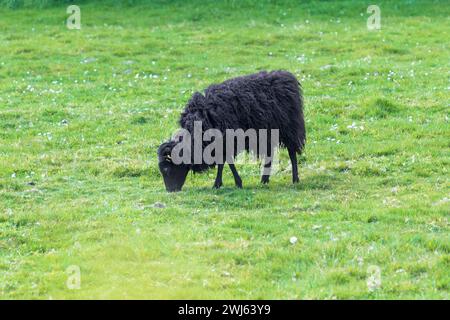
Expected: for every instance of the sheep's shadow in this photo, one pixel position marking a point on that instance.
(277, 184)
(228, 197)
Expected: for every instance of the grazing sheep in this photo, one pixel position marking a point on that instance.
(265, 100)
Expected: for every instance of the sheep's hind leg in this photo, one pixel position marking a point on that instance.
(218, 182)
(237, 179)
(266, 175)
(293, 157)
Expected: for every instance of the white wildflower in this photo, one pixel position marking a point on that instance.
(374, 278)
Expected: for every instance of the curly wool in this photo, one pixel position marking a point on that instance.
(265, 100)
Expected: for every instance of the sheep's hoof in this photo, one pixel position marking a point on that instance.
(265, 179)
(295, 180)
(217, 185)
(239, 184)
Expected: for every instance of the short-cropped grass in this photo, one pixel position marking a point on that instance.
(82, 113)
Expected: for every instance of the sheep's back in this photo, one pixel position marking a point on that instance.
(265, 100)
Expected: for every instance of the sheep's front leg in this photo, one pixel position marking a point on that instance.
(266, 174)
(237, 179)
(218, 182)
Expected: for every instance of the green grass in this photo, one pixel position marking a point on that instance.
(82, 113)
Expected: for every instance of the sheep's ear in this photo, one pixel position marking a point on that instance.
(177, 136)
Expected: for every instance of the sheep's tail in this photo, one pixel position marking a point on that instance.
(301, 128)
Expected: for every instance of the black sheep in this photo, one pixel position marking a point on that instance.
(265, 100)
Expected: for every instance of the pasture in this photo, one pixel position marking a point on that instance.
(82, 113)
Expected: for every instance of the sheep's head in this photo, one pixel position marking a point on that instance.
(174, 175)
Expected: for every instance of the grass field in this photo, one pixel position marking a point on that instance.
(82, 113)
